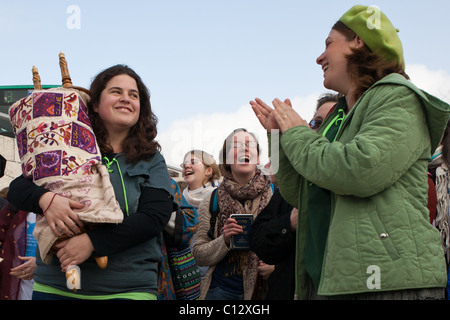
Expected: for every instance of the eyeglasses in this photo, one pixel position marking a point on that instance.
(190, 162)
(248, 144)
(315, 124)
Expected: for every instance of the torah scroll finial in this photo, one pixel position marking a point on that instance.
(36, 78)
(66, 81)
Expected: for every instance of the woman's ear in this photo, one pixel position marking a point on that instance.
(358, 42)
(208, 174)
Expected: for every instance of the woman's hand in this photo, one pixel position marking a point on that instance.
(74, 251)
(265, 270)
(230, 228)
(26, 269)
(283, 117)
(264, 113)
(286, 116)
(294, 219)
(60, 215)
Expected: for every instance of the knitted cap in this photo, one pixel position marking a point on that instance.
(377, 32)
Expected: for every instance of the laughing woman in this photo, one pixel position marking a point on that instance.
(232, 273)
(201, 174)
(125, 126)
(360, 182)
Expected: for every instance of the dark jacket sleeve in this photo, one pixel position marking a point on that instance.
(153, 214)
(24, 194)
(271, 237)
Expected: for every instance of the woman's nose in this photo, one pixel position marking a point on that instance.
(244, 146)
(124, 98)
(320, 58)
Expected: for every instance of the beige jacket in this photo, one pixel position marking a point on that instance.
(209, 252)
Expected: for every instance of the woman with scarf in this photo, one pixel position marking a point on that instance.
(201, 174)
(232, 274)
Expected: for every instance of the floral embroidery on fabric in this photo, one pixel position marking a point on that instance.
(83, 138)
(47, 104)
(83, 114)
(59, 151)
(22, 142)
(71, 165)
(37, 128)
(48, 164)
(20, 112)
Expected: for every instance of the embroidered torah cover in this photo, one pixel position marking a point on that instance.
(58, 150)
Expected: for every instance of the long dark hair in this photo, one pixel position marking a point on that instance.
(140, 143)
(365, 66)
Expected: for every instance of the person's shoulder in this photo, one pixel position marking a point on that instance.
(156, 160)
(397, 84)
(207, 200)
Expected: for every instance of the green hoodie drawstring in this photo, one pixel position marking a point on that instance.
(108, 165)
(339, 117)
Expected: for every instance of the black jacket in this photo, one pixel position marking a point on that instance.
(272, 239)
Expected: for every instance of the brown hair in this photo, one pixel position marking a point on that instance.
(208, 161)
(365, 66)
(224, 166)
(140, 143)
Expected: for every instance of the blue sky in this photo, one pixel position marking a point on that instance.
(204, 60)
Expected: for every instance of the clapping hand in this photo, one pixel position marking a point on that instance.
(282, 117)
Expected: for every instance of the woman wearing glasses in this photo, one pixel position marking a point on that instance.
(232, 274)
(324, 104)
(201, 174)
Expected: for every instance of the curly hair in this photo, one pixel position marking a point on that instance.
(140, 143)
(365, 66)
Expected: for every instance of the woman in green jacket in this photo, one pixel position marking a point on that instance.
(360, 182)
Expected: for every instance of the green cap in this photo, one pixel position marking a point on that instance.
(377, 32)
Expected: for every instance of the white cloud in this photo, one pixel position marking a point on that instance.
(435, 82)
(208, 131)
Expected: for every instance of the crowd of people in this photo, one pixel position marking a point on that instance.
(345, 215)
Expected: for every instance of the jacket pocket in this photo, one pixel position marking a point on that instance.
(384, 236)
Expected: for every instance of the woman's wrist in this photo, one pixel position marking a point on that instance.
(46, 200)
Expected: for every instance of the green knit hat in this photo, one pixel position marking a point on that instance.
(377, 32)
